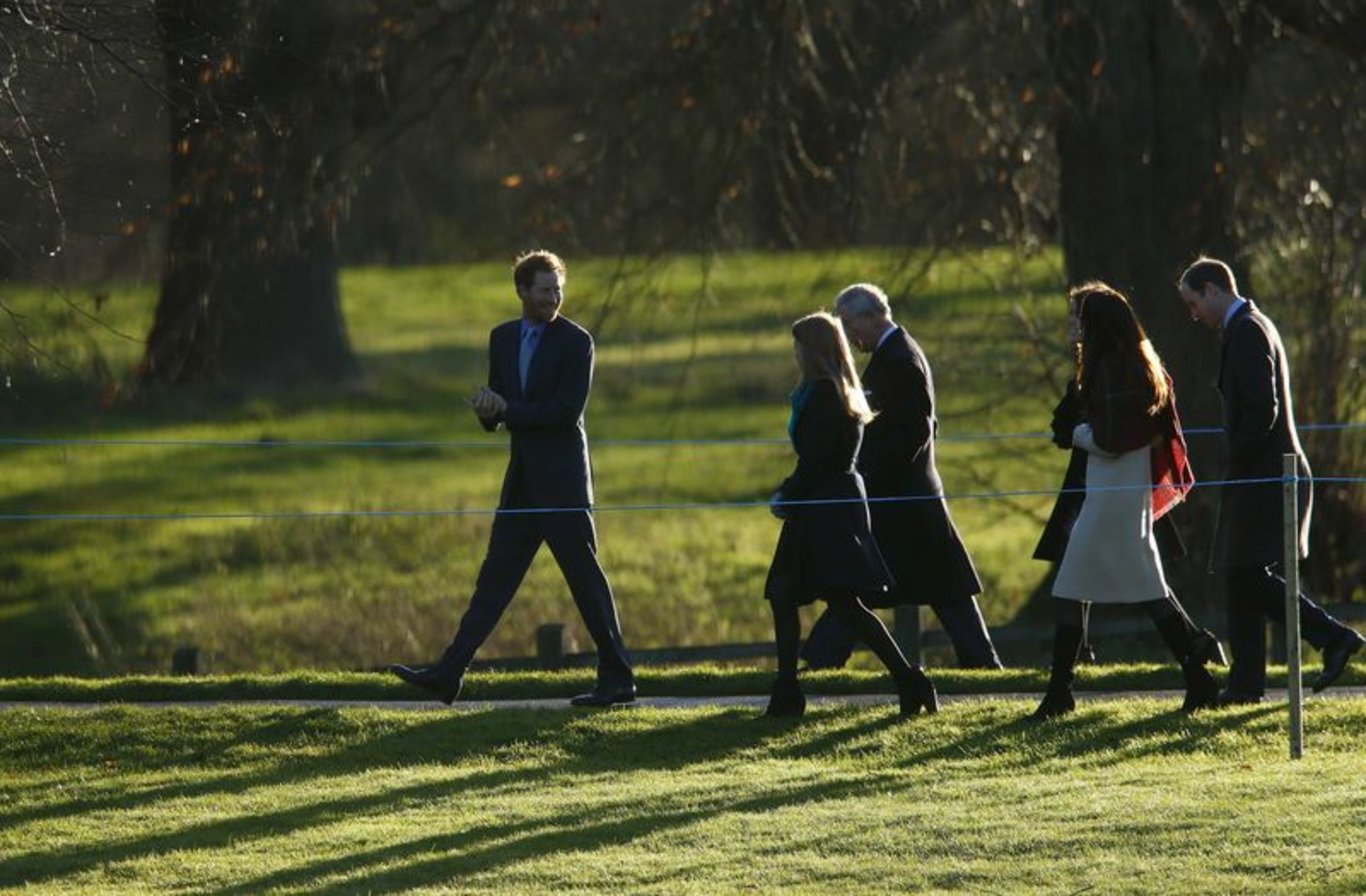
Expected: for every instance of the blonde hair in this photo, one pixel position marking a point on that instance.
(823, 354)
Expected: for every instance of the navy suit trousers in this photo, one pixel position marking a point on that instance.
(1256, 594)
(513, 543)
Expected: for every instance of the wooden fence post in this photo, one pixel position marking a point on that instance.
(550, 645)
(185, 661)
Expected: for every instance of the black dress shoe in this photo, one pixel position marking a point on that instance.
(603, 696)
(1230, 697)
(426, 678)
(1335, 658)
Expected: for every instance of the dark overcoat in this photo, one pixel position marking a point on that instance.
(918, 539)
(1259, 427)
(825, 550)
(548, 463)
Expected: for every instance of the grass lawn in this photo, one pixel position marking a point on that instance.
(686, 351)
(1122, 797)
(700, 680)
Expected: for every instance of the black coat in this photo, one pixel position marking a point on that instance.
(1259, 425)
(918, 538)
(548, 464)
(825, 550)
(1053, 542)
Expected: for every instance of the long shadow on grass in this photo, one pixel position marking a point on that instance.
(579, 748)
(487, 847)
(1090, 737)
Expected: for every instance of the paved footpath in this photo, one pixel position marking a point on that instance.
(1274, 696)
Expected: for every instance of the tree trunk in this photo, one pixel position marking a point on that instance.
(249, 293)
(1147, 129)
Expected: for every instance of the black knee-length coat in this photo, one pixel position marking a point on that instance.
(918, 538)
(826, 550)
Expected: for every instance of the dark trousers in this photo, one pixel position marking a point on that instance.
(831, 643)
(1256, 594)
(513, 543)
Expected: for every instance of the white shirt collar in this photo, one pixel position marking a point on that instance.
(886, 334)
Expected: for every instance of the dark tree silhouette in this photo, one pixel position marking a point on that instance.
(273, 103)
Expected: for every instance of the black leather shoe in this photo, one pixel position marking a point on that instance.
(1335, 658)
(1230, 697)
(426, 678)
(602, 696)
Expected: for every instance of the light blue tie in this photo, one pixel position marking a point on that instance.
(528, 349)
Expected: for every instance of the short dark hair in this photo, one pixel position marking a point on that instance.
(529, 264)
(1204, 271)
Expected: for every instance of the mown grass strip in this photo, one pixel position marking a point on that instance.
(676, 681)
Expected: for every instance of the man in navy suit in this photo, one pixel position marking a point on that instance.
(1259, 427)
(540, 372)
(918, 538)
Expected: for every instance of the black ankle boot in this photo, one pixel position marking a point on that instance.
(916, 692)
(787, 699)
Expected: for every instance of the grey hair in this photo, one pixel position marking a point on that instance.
(863, 300)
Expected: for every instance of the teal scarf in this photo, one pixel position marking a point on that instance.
(800, 395)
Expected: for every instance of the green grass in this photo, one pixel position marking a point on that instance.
(1122, 797)
(685, 351)
(701, 680)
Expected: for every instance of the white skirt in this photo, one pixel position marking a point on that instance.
(1111, 557)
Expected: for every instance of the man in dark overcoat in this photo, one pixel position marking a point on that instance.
(540, 372)
(916, 535)
(1259, 427)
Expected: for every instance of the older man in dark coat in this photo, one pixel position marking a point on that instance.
(917, 536)
(1259, 426)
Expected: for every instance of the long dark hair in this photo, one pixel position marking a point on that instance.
(1109, 328)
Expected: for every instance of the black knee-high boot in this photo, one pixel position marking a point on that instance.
(787, 698)
(914, 689)
(1201, 689)
(1058, 699)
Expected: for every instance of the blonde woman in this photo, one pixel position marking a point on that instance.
(826, 549)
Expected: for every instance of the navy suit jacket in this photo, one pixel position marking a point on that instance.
(1259, 424)
(549, 464)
